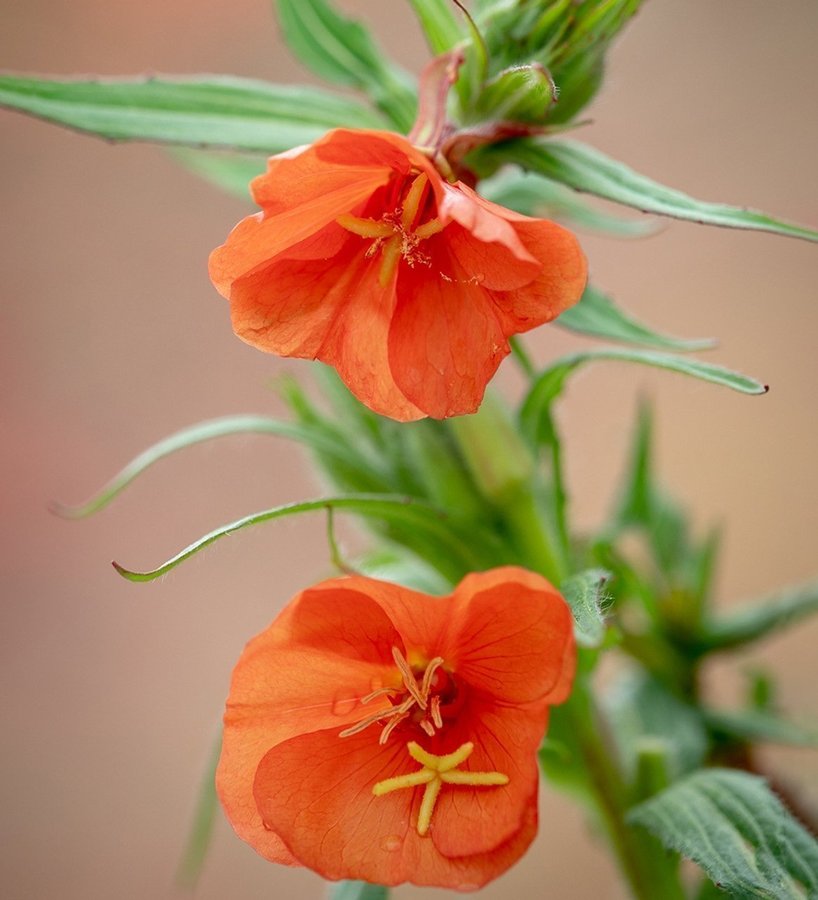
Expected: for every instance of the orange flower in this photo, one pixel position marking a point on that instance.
(376, 733)
(366, 258)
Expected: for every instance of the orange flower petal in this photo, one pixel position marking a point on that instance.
(373, 148)
(485, 221)
(477, 820)
(258, 239)
(445, 342)
(559, 283)
(511, 637)
(344, 642)
(316, 793)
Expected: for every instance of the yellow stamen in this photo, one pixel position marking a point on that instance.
(391, 257)
(408, 678)
(433, 666)
(437, 771)
(427, 229)
(393, 235)
(367, 228)
(412, 202)
(428, 714)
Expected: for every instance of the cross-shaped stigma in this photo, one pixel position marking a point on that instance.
(437, 771)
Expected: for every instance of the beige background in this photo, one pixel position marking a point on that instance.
(113, 337)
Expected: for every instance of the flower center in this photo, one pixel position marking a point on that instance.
(396, 235)
(437, 771)
(421, 699)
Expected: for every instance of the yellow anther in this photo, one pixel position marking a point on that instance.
(437, 771)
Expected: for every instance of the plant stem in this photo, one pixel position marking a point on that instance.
(649, 871)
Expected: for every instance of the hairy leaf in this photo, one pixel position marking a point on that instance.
(207, 431)
(585, 594)
(460, 548)
(204, 111)
(737, 830)
(586, 169)
(550, 383)
(760, 726)
(759, 620)
(342, 51)
(598, 316)
(534, 195)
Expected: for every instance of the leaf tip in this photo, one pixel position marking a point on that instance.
(126, 573)
(64, 511)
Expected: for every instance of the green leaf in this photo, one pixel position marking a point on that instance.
(534, 195)
(585, 169)
(208, 110)
(421, 517)
(734, 827)
(640, 706)
(200, 433)
(763, 618)
(342, 51)
(229, 171)
(759, 726)
(358, 890)
(585, 594)
(598, 316)
(439, 23)
(201, 832)
(551, 381)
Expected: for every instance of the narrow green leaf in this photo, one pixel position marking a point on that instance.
(439, 24)
(598, 316)
(342, 51)
(421, 516)
(231, 172)
(585, 594)
(759, 726)
(207, 110)
(550, 383)
(734, 827)
(201, 831)
(534, 195)
(197, 434)
(763, 618)
(585, 169)
(358, 890)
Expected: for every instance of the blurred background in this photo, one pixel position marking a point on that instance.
(113, 337)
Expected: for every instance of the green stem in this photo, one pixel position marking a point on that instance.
(648, 870)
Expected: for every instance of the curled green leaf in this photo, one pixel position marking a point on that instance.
(549, 384)
(423, 517)
(197, 434)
